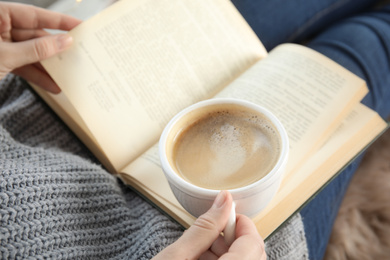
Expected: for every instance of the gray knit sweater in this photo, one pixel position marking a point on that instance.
(58, 202)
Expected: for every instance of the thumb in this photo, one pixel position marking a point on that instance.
(37, 49)
(206, 229)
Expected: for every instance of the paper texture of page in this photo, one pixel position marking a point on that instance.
(131, 69)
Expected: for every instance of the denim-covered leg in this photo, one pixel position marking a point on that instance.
(279, 21)
(362, 45)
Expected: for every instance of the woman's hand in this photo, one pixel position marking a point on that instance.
(24, 42)
(203, 240)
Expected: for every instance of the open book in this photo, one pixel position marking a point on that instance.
(137, 63)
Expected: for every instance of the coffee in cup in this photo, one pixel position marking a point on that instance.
(224, 146)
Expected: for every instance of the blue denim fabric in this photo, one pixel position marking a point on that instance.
(362, 45)
(352, 34)
(279, 21)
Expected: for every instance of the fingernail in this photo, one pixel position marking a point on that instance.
(64, 41)
(220, 199)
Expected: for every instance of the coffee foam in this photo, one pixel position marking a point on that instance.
(226, 149)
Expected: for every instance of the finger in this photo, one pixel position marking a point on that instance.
(245, 226)
(28, 17)
(249, 244)
(18, 54)
(208, 255)
(36, 74)
(206, 229)
(219, 246)
(245, 249)
(19, 35)
(40, 67)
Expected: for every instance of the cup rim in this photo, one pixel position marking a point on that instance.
(184, 185)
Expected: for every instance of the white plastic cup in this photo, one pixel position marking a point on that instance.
(250, 199)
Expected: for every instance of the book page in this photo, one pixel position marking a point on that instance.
(137, 63)
(309, 93)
